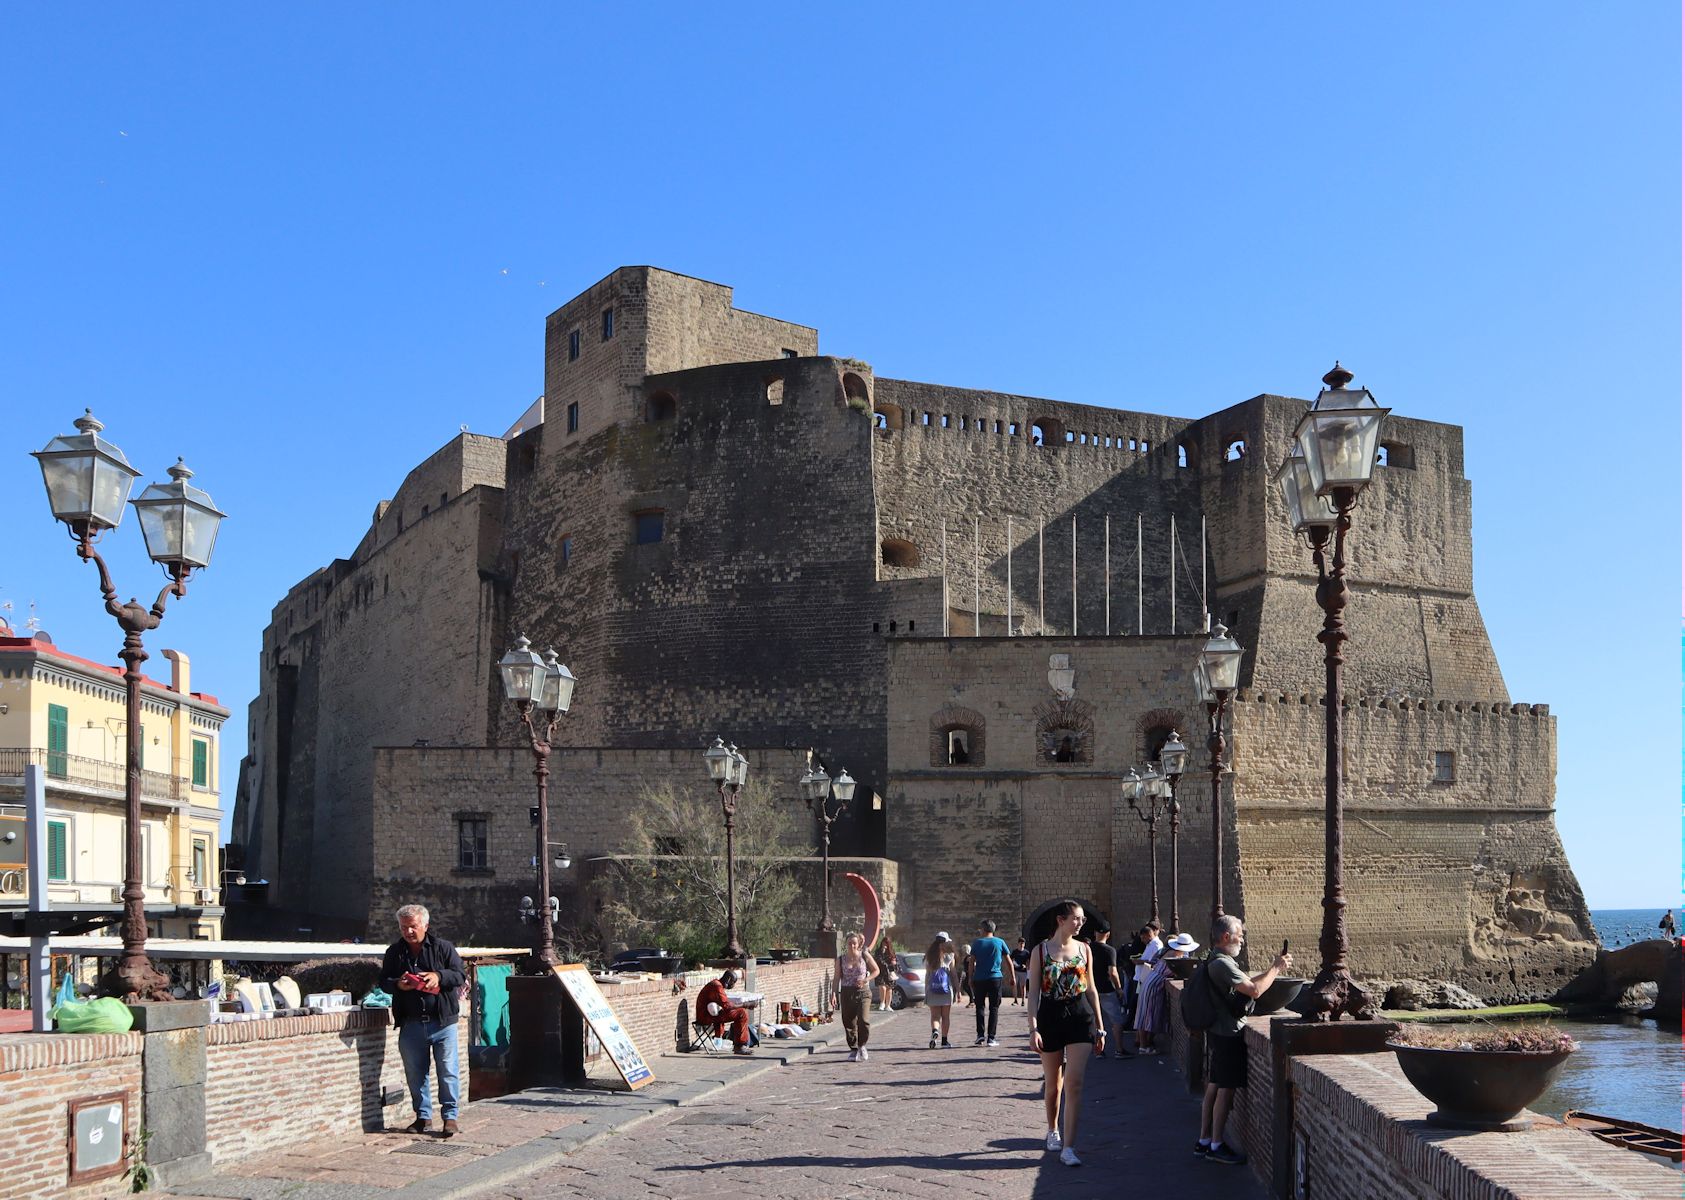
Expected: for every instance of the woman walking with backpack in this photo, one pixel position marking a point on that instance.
(939, 987)
(1065, 1024)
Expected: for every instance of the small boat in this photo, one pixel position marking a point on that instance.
(1630, 1135)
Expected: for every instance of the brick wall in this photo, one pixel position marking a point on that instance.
(651, 1011)
(39, 1075)
(275, 1083)
(1361, 1126)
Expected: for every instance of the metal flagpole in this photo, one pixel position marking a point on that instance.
(1140, 580)
(945, 577)
(1204, 595)
(1041, 574)
(977, 576)
(1172, 574)
(1107, 569)
(1073, 576)
(1009, 575)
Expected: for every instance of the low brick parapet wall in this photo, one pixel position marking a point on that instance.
(655, 1015)
(40, 1074)
(1361, 1129)
(276, 1082)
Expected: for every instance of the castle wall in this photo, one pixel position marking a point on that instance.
(394, 646)
(950, 455)
(419, 792)
(751, 617)
(1462, 880)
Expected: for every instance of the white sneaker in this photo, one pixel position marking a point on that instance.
(1054, 1141)
(862, 1054)
(854, 1056)
(993, 1042)
(1069, 1157)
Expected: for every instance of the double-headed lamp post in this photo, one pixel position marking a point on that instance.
(1332, 460)
(818, 791)
(728, 770)
(1142, 793)
(1217, 675)
(1172, 758)
(88, 482)
(542, 690)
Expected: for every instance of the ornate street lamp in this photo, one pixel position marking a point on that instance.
(541, 690)
(88, 481)
(818, 790)
(1141, 793)
(1173, 757)
(1333, 461)
(728, 771)
(1217, 675)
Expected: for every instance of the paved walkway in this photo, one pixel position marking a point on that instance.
(910, 1122)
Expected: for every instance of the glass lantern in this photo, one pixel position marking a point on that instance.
(1339, 435)
(88, 479)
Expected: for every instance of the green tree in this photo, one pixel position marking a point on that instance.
(671, 885)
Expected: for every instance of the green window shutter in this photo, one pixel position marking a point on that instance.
(201, 763)
(58, 851)
(58, 740)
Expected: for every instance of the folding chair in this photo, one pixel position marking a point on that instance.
(705, 1036)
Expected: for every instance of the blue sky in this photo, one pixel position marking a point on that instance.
(275, 241)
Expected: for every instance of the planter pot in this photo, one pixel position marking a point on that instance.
(1181, 968)
(1277, 996)
(1484, 1090)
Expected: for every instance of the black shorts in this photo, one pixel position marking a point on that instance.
(1225, 1060)
(1064, 1023)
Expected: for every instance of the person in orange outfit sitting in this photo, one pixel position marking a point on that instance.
(714, 1007)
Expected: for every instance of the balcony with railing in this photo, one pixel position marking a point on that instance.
(93, 776)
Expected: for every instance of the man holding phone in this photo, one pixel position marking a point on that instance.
(424, 974)
(1225, 1047)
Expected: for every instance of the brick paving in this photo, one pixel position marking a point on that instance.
(909, 1122)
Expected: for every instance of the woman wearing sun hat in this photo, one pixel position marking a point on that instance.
(1152, 1017)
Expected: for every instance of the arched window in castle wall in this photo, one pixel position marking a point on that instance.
(1154, 729)
(775, 391)
(899, 552)
(661, 406)
(1064, 732)
(887, 417)
(855, 392)
(956, 737)
(1045, 431)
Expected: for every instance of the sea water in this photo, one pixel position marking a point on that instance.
(1626, 1066)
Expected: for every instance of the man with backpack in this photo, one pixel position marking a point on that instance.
(1216, 1000)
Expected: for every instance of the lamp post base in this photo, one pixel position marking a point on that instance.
(1333, 994)
(136, 981)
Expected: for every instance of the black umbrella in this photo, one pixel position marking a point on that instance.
(1041, 924)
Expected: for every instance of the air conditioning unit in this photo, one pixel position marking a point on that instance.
(207, 895)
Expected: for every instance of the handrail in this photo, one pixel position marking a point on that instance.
(74, 768)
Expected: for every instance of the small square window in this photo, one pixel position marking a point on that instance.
(608, 323)
(959, 747)
(1445, 766)
(473, 843)
(567, 549)
(647, 527)
(573, 345)
(573, 417)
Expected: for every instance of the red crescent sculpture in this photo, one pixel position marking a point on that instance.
(869, 899)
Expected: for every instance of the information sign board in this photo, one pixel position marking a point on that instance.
(603, 1022)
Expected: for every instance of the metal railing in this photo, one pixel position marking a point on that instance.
(92, 773)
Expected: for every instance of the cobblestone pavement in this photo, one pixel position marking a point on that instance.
(909, 1122)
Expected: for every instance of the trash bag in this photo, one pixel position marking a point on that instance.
(67, 990)
(377, 998)
(105, 1015)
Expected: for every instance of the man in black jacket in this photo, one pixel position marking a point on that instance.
(424, 974)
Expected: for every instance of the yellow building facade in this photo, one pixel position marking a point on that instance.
(68, 715)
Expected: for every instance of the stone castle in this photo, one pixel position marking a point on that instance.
(723, 531)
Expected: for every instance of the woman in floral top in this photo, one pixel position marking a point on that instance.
(1065, 1024)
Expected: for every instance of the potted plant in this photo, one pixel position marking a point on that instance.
(1481, 1079)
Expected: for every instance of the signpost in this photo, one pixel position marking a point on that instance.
(600, 1018)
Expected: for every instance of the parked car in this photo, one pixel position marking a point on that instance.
(907, 985)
